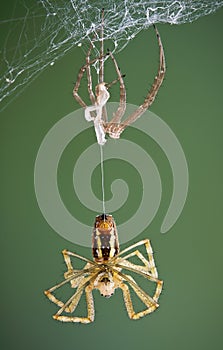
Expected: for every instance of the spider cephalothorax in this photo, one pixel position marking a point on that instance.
(105, 273)
(97, 111)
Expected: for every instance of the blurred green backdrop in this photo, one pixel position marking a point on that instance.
(189, 257)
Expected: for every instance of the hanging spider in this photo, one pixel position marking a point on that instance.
(105, 274)
(97, 111)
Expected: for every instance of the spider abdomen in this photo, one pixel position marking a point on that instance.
(104, 239)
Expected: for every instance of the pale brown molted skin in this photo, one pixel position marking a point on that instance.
(97, 111)
(105, 274)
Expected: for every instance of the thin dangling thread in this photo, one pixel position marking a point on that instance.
(102, 180)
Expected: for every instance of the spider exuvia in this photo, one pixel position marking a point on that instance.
(105, 273)
(97, 111)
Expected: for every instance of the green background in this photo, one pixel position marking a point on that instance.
(189, 256)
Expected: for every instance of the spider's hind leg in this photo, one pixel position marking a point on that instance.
(151, 303)
(72, 303)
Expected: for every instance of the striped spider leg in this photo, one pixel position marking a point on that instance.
(97, 111)
(105, 273)
(147, 270)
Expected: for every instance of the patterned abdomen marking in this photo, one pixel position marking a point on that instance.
(104, 239)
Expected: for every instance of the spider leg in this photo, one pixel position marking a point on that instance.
(89, 78)
(127, 300)
(147, 267)
(75, 277)
(67, 260)
(151, 303)
(152, 92)
(148, 271)
(122, 103)
(104, 110)
(70, 270)
(140, 270)
(59, 303)
(113, 82)
(140, 256)
(113, 127)
(78, 279)
(54, 300)
(72, 303)
(67, 253)
(68, 279)
(149, 264)
(146, 242)
(72, 276)
(101, 62)
(79, 78)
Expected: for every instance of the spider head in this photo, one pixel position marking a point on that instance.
(106, 286)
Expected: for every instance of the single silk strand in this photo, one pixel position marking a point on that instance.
(102, 179)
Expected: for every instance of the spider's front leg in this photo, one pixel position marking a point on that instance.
(149, 264)
(148, 271)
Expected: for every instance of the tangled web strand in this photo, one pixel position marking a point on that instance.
(40, 32)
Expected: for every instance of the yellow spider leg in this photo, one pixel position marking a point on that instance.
(65, 306)
(68, 253)
(129, 306)
(148, 271)
(139, 290)
(52, 298)
(146, 299)
(148, 263)
(131, 247)
(56, 301)
(67, 260)
(73, 304)
(150, 256)
(70, 270)
(140, 256)
(73, 276)
(127, 300)
(141, 270)
(137, 269)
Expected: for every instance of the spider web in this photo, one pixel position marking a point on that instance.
(37, 33)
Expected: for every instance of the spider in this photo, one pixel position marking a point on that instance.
(105, 274)
(97, 111)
